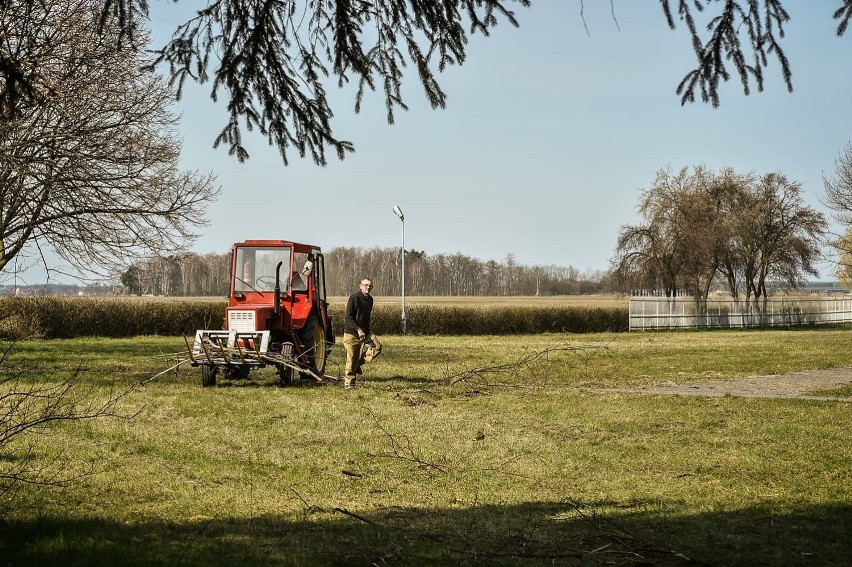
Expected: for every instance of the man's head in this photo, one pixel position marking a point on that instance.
(366, 286)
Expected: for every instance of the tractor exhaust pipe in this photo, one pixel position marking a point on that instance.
(276, 303)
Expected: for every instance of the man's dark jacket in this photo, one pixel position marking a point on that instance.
(358, 311)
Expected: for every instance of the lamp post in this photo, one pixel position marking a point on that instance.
(401, 216)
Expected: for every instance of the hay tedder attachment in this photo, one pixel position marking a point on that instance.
(239, 352)
(223, 347)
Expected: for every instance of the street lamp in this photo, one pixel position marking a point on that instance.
(401, 216)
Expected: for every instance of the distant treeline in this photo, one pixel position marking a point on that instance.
(439, 274)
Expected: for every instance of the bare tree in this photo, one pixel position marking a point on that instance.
(779, 236)
(837, 196)
(838, 189)
(657, 253)
(699, 227)
(89, 167)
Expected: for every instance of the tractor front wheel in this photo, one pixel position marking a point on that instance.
(208, 375)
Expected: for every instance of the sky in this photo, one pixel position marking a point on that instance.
(549, 135)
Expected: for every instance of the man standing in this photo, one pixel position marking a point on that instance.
(356, 331)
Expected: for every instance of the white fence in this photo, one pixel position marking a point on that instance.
(649, 313)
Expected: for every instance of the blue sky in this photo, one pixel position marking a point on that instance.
(548, 136)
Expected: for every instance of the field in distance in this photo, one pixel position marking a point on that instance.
(604, 300)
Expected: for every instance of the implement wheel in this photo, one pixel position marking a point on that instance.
(285, 373)
(208, 375)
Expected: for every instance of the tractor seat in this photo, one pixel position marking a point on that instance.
(297, 283)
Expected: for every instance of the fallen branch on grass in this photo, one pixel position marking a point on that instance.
(527, 359)
(405, 451)
(633, 545)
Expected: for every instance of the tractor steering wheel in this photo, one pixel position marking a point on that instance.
(265, 282)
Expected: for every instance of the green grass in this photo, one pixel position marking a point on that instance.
(506, 466)
(840, 392)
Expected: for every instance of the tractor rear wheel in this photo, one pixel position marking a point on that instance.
(320, 356)
(313, 341)
(208, 375)
(285, 373)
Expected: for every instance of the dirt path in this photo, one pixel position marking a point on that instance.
(796, 385)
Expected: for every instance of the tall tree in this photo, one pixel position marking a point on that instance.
(669, 248)
(89, 168)
(838, 189)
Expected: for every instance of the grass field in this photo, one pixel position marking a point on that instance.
(452, 451)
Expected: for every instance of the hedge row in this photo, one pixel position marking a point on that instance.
(503, 320)
(68, 317)
(59, 317)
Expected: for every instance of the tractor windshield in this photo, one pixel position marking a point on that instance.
(255, 268)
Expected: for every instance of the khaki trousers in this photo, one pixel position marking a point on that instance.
(354, 357)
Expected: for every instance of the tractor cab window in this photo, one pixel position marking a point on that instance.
(301, 270)
(255, 269)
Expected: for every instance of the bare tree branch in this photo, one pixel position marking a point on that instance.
(527, 360)
(402, 449)
(762, 20)
(30, 407)
(89, 169)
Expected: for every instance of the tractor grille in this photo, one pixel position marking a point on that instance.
(241, 320)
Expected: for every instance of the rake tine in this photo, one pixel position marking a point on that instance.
(189, 349)
(204, 345)
(256, 349)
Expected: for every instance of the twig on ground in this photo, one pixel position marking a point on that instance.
(354, 515)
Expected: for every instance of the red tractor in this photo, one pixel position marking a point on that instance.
(277, 315)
